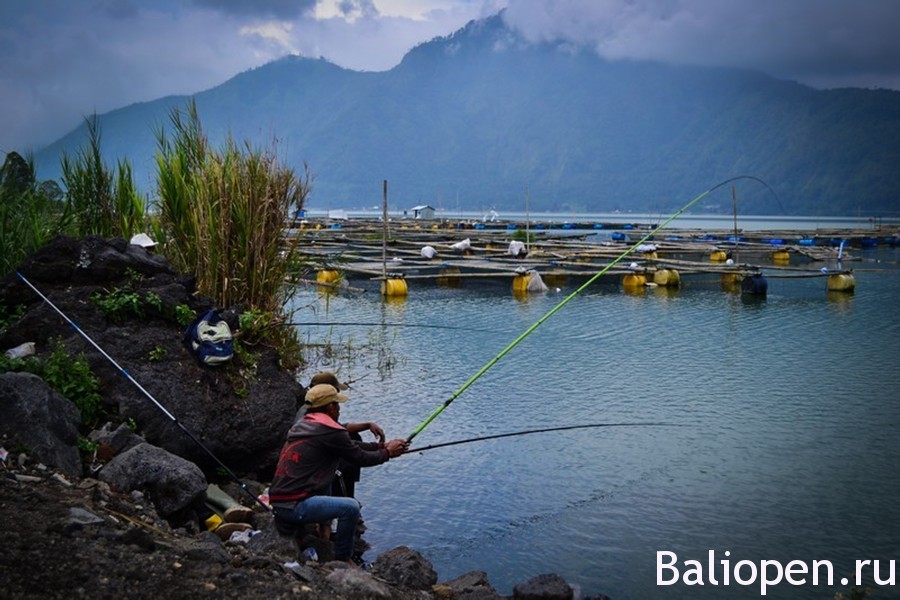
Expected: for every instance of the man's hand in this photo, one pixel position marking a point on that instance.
(396, 447)
(377, 432)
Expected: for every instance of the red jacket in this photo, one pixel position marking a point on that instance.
(310, 456)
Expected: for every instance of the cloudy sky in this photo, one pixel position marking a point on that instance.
(61, 60)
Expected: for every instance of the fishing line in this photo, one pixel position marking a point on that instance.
(145, 392)
(545, 430)
(373, 324)
(568, 298)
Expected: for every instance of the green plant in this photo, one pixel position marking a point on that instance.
(184, 314)
(153, 299)
(8, 315)
(157, 354)
(73, 378)
(131, 423)
(87, 446)
(122, 302)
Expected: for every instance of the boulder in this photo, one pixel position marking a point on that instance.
(172, 483)
(549, 586)
(473, 585)
(356, 583)
(240, 412)
(41, 420)
(405, 567)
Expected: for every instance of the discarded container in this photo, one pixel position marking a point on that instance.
(21, 351)
(310, 554)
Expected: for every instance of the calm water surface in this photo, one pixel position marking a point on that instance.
(783, 445)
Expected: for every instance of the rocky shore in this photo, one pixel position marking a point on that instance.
(111, 511)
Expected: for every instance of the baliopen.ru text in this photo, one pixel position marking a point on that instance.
(716, 571)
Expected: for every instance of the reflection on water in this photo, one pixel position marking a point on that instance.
(786, 446)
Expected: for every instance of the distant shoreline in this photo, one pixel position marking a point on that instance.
(685, 221)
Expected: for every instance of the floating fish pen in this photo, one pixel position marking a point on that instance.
(445, 254)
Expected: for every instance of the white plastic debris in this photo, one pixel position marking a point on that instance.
(536, 285)
(646, 248)
(143, 240)
(21, 351)
(516, 248)
(428, 252)
(463, 245)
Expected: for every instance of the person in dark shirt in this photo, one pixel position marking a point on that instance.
(301, 488)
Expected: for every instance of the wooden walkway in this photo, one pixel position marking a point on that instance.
(355, 248)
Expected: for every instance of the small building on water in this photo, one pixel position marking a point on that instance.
(423, 211)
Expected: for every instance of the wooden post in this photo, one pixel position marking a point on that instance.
(384, 237)
(527, 224)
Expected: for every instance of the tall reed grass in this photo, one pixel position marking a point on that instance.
(224, 212)
(101, 201)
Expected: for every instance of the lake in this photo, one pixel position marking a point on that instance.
(779, 435)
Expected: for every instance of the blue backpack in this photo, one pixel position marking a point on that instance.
(209, 336)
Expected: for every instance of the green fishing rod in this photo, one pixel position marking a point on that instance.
(568, 298)
(544, 430)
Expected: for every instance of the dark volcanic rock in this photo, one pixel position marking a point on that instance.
(40, 420)
(405, 567)
(173, 483)
(244, 431)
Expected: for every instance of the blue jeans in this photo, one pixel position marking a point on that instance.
(317, 509)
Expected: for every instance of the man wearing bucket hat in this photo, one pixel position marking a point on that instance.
(348, 474)
(315, 444)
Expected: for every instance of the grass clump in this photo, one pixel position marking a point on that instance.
(31, 212)
(101, 201)
(223, 213)
(69, 375)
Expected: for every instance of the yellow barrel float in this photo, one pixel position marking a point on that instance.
(447, 277)
(731, 279)
(651, 255)
(781, 256)
(520, 283)
(328, 276)
(841, 282)
(394, 287)
(718, 256)
(667, 278)
(634, 280)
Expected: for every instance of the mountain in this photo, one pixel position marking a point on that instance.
(467, 121)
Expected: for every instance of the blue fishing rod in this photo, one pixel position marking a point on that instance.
(571, 296)
(128, 376)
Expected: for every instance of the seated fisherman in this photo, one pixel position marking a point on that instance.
(300, 490)
(348, 474)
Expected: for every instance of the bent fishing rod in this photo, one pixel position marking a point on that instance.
(146, 393)
(544, 430)
(568, 298)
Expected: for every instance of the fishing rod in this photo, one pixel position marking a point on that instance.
(568, 298)
(545, 430)
(145, 392)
